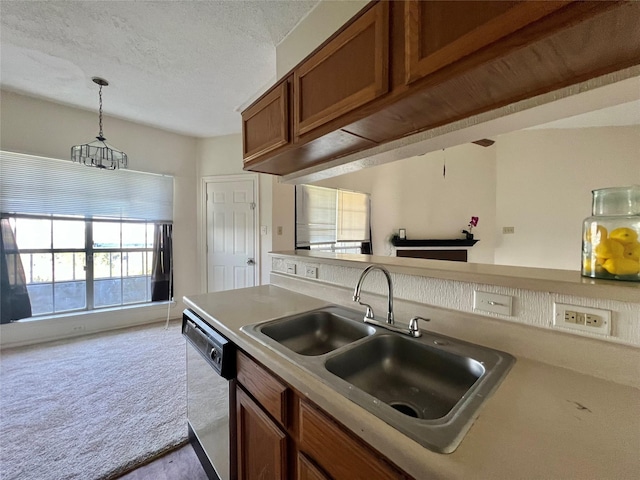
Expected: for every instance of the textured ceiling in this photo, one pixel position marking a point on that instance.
(184, 66)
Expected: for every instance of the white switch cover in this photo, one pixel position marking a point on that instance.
(291, 268)
(492, 302)
(263, 230)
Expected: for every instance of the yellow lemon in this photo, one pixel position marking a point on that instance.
(632, 251)
(609, 249)
(624, 235)
(622, 266)
(596, 233)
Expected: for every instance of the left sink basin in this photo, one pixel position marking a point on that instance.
(316, 332)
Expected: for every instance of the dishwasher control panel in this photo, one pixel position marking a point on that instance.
(217, 350)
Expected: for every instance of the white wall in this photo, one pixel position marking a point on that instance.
(544, 183)
(223, 156)
(413, 194)
(37, 127)
(537, 181)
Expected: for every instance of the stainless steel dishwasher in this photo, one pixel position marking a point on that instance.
(210, 365)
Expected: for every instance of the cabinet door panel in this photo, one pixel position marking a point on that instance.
(262, 446)
(265, 125)
(349, 71)
(438, 33)
(307, 470)
(336, 451)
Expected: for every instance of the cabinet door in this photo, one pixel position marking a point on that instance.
(265, 124)
(262, 446)
(337, 452)
(307, 470)
(349, 71)
(438, 33)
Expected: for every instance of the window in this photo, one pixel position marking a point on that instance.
(76, 264)
(332, 220)
(84, 238)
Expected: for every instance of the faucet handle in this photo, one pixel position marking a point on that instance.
(369, 312)
(414, 330)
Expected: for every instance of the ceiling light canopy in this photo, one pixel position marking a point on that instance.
(99, 153)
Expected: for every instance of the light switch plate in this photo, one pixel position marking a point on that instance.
(492, 302)
(291, 268)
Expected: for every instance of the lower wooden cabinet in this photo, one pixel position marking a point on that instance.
(307, 470)
(262, 446)
(305, 444)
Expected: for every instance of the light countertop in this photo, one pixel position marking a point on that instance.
(543, 421)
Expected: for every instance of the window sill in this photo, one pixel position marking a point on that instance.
(29, 331)
(89, 313)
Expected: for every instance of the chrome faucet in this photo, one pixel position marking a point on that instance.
(356, 293)
(413, 329)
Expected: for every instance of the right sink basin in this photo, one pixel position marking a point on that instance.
(412, 378)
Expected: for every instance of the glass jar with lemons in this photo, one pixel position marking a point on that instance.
(611, 236)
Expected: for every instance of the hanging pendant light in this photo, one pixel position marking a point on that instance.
(99, 153)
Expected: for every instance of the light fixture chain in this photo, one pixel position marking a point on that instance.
(100, 115)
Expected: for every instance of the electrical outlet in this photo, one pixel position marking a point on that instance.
(311, 272)
(78, 328)
(508, 230)
(291, 268)
(585, 319)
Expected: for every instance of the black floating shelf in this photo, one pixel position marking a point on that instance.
(454, 242)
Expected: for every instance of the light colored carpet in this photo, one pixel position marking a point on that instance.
(93, 407)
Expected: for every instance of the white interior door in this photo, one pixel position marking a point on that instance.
(231, 234)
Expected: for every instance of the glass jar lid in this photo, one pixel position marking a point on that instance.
(616, 201)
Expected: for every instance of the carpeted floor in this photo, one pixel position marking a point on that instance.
(93, 407)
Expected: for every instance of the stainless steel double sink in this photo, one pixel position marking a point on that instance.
(430, 388)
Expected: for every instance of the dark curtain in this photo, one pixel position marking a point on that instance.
(162, 274)
(14, 297)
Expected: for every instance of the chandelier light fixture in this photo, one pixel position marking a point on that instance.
(99, 153)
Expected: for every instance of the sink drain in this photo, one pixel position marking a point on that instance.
(406, 409)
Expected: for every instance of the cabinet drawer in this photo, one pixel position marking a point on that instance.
(264, 387)
(438, 33)
(265, 124)
(325, 442)
(349, 71)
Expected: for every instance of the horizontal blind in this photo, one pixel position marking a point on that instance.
(353, 217)
(315, 215)
(46, 186)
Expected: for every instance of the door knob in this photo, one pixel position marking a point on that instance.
(251, 261)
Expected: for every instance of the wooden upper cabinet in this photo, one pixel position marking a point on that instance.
(438, 33)
(265, 124)
(349, 71)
